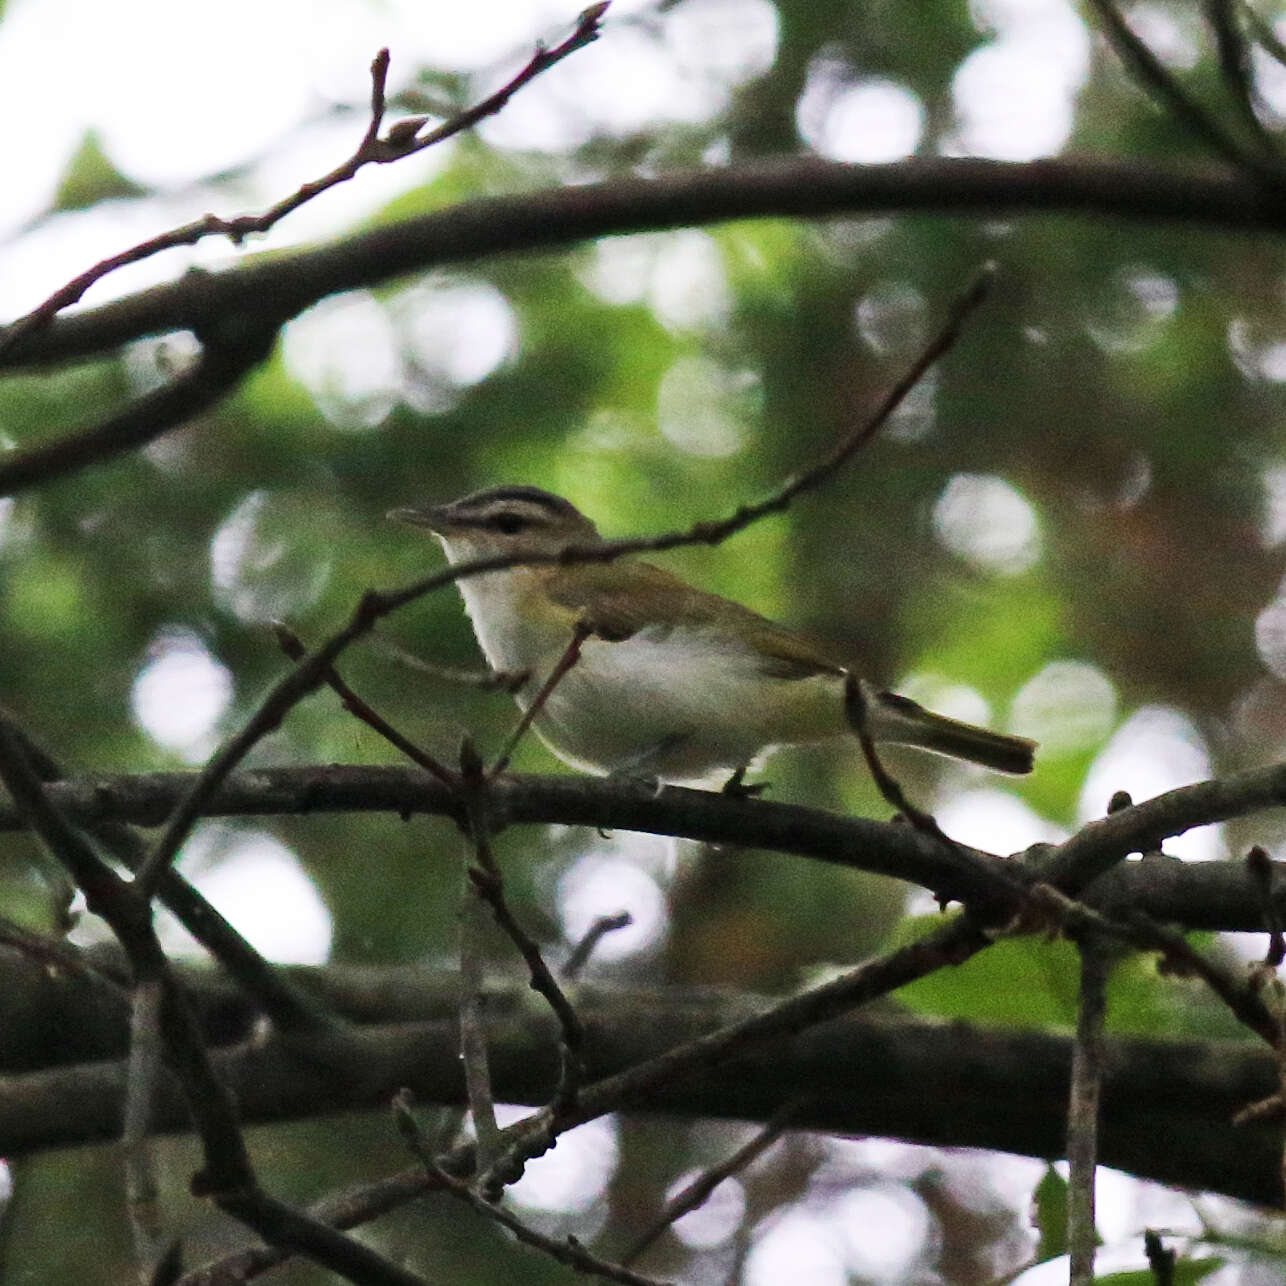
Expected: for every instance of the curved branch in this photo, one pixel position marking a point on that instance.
(219, 369)
(794, 187)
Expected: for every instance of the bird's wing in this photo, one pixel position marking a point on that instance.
(617, 601)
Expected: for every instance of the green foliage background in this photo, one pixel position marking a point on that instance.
(1140, 438)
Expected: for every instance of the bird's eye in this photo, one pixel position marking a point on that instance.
(508, 523)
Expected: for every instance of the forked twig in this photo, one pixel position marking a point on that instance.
(295, 650)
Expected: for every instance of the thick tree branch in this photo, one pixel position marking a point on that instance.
(860, 1076)
(1199, 895)
(562, 217)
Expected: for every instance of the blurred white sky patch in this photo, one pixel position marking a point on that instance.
(688, 287)
(1258, 349)
(713, 1222)
(679, 66)
(257, 883)
(1270, 635)
(180, 694)
(455, 335)
(891, 318)
(1173, 34)
(620, 268)
(987, 522)
(1015, 96)
(1155, 750)
(702, 406)
(1130, 315)
(861, 119)
(887, 1229)
(601, 884)
(271, 556)
(1068, 706)
(996, 821)
(345, 352)
(1273, 528)
(797, 1245)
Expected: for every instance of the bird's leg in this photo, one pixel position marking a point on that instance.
(580, 632)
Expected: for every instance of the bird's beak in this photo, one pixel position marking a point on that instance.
(434, 517)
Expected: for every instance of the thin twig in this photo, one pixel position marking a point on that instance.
(402, 140)
(1148, 72)
(292, 646)
(373, 606)
(568, 1251)
(581, 952)
(485, 680)
(1160, 1259)
(141, 1192)
(697, 1193)
(1238, 73)
(473, 1035)
(1141, 932)
(488, 883)
(1083, 1111)
(569, 658)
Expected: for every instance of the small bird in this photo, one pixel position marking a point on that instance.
(671, 682)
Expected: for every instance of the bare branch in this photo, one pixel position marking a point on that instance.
(565, 663)
(697, 1193)
(1083, 1110)
(218, 369)
(1146, 68)
(141, 1195)
(569, 1251)
(596, 932)
(295, 650)
(401, 141)
(1215, 895)
(1238, 73)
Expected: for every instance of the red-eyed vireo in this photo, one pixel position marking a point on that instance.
(672, 682)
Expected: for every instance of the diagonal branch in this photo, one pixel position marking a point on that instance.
(1146, 69)
(219, 368)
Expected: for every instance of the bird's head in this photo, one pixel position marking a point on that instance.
(502, 520)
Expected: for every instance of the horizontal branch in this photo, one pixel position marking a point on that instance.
(1199, 895)
(883, 1077)
(792, 187)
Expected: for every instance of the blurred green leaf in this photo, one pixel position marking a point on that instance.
(90, 177)
(1049, 1215)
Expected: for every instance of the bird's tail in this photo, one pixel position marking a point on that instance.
(897, 719)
